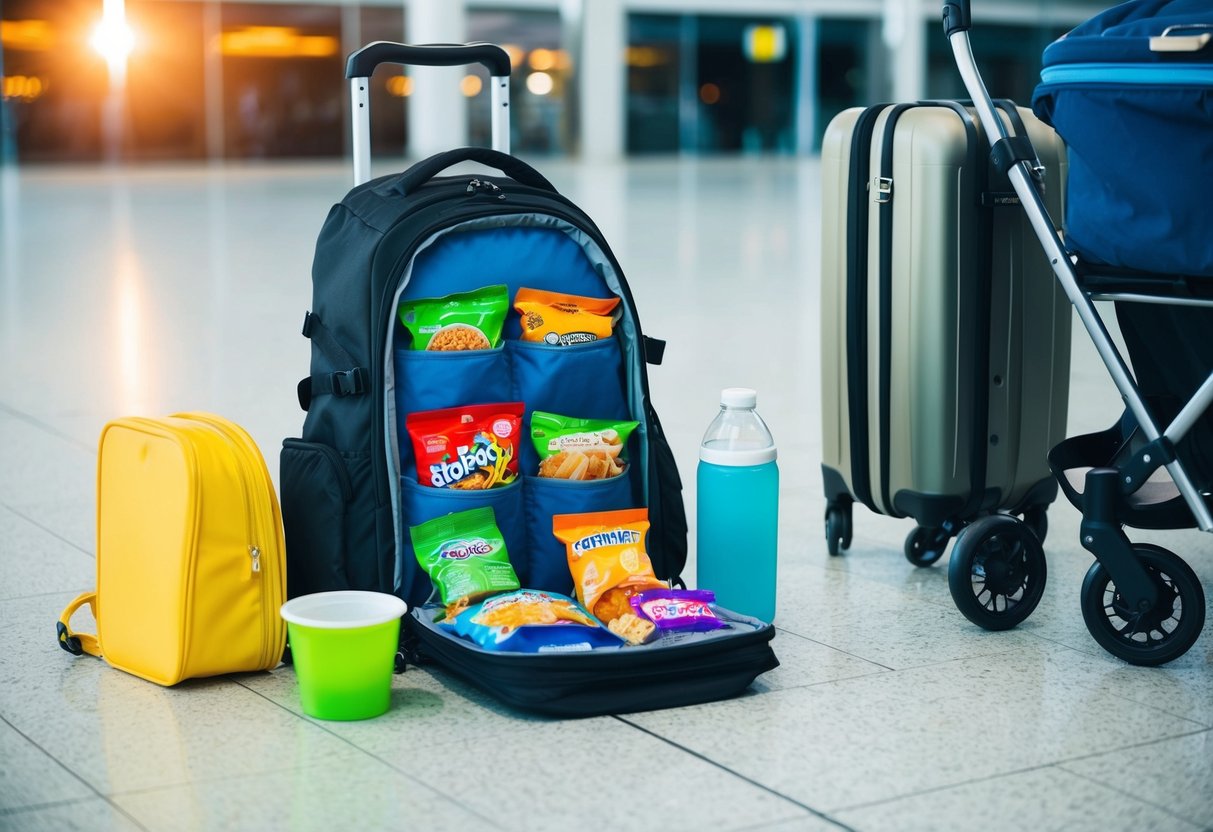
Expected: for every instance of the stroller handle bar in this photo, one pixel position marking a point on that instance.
(957, 21)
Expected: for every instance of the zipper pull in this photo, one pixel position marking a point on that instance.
(474, 185)
(494, 190)
(255, 554)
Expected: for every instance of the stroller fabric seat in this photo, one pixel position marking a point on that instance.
(1131, 93)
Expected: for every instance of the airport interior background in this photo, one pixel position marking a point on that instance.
(165, 167)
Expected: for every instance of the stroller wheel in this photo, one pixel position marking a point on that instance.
(925, 545)
(1037, 519)
(997, 572)
(838, 527)
(1150, 637)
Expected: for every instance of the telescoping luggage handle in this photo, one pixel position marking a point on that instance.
(361, 64)
(957, 21)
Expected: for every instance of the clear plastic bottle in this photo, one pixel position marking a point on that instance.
(738, 507)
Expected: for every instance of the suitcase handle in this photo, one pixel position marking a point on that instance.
(362, 63)
(515, 169)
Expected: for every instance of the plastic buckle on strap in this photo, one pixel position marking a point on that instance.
(307, 324)
(68, 641)
(348, 382)
(882, 189)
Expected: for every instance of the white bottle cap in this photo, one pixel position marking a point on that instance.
(738, 397)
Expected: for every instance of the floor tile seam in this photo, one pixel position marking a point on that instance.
(1059, 764)
(34, 421)
(1092, 686)
(46, 529)
(12, 813)
(347, 741)
(835, 649)
(1186, 819)
(74, 774)
(750, 781)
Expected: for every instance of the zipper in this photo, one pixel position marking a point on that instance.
(255, 525)
(1117, 74)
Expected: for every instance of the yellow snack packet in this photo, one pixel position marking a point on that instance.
(607, 558)
(560, 320)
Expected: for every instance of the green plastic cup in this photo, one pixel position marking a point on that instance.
(344, 649)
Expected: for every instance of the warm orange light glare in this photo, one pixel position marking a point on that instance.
(709, 93)
(646, 56)
(276, 42)
(21, 87)
(401, 86)
(516, 53)
(470, 85)
(545, 60)
(113, 39)
(539, 83)
(27, 35)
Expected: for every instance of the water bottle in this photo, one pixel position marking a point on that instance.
(738, 507)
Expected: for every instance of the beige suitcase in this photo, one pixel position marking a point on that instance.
(945, 338)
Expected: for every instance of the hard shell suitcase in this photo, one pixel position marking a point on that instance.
(350, 487)
(190, 552)
(945, 340)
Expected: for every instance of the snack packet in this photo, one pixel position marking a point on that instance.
(460, 321)
(678, 609)
(579, 449)
(469, 447)
(560, 320)
(465, 556)
(607, 558)
(530, 621)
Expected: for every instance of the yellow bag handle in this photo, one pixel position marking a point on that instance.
(78, 643)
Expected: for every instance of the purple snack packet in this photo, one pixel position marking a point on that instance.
(678, 609)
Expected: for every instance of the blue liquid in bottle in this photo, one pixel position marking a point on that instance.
(738, 508)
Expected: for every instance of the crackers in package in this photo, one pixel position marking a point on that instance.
(561, 320)
(579, 449)
(459, 321)
(607, 558)
(472, 448)
(531, 621)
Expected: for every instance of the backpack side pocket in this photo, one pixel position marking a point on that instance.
(316, 493)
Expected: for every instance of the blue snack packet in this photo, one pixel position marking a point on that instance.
(531, 621)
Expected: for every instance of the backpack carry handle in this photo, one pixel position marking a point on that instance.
(78, 643)
(515, 169)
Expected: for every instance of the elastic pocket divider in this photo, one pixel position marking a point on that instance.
(548, 567)
(422, 502)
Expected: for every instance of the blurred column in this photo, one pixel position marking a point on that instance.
(212, 79)
(806, 84)
(596, 35)
(437, 109)
(903, 35)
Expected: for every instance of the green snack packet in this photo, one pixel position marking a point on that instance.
(464, 555)
(460, 321)
(579, 449)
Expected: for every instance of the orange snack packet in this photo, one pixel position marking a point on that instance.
(560, 320)
(607, 558)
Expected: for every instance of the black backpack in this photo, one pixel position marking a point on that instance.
(349, 494)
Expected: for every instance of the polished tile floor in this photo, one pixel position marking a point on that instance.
(153, 290)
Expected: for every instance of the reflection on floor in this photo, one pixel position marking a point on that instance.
(149, 291)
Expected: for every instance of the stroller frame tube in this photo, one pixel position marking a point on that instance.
(1033, 204)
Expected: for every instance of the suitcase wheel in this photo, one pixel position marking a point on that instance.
(838, 526)
(997, 572)
(926, 544)
(1146, 637)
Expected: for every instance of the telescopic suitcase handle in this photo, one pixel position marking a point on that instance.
(361, 64)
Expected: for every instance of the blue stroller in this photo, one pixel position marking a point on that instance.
(1135, 83)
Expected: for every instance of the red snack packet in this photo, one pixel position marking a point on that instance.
(469, 447)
